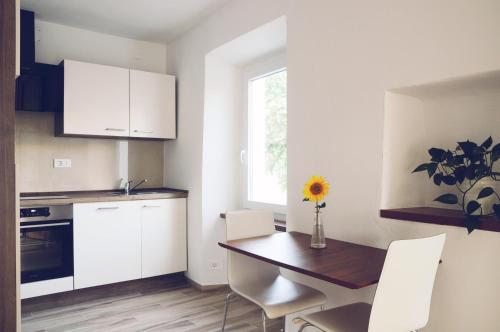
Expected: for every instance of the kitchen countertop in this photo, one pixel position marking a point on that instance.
(70, 197)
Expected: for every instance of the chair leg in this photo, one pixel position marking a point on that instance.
(303, 326)
(263, 321)
(226, 306)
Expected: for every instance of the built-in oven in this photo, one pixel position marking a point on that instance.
(46, 245)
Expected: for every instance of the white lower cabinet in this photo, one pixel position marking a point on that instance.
(107, 243)
(163, 236)
(120, 241)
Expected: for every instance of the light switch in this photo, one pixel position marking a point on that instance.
(62, 163)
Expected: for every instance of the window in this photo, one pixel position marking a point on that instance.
(267, 141)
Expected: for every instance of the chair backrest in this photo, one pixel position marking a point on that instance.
(403, 297)
(243, 224)
(248, 223)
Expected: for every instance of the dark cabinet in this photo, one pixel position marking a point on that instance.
(40, 89)
(28, 93)
(27, 39)
(40, 86)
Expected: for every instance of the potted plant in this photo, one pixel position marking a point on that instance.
(470, 168)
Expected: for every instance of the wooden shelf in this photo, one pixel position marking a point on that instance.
(438, 216)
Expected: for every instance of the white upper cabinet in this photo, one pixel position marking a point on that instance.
(96, 100)
(152, 105)
(120, 102)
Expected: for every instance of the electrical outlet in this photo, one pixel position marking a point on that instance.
(215, 265)
(62, 163)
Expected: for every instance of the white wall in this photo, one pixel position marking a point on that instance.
(184, 156)
(434, 115)
(360, 49)
(221, 168)
(55, 42)
(342, 57)
(103, 161)
(227, 71)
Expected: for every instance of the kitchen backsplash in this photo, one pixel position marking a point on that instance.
(95, 163)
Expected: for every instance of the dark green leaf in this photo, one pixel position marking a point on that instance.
(472, 207)
(449, 157)
(447, 199)
(420, 168)
(449, 180)
(431, 169)
(467, 147)
(305, 200)
(438, 177)
(471, 222)
(482, 169)
(486, 144)
(470, 172)
(323, 205)
(477, 156)
(485, 192)
(460, 174)
(458, 159)
(495, 152)
(496, 208)
(437, 155)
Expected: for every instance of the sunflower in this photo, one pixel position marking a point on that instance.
(316, 189)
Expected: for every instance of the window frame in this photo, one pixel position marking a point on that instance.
(267, 66)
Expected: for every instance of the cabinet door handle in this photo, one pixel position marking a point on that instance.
(150, 206)
(108, 208)
(143, 131)
(114, 129)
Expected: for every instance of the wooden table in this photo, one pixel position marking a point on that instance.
(343, 263)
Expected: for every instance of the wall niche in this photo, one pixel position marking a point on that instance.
(436, 114)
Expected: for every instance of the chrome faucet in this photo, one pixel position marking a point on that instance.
(128, 183)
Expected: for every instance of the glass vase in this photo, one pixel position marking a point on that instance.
(486, 202)
(318, 234)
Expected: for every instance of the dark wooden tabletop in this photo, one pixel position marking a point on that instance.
(343, 263)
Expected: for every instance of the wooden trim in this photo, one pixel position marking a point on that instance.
(130, 138)
(438, 216)
(8, 239)
(182, 192)
(279, 225)
(73, 197)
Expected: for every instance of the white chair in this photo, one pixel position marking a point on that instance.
(260, 282)
(403, 297)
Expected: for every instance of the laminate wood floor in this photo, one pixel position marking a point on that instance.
(178, 307)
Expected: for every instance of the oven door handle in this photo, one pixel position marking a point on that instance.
(46, 225)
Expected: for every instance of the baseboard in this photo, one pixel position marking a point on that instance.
(205, 288)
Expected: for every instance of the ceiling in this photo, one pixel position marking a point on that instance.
(151, 20)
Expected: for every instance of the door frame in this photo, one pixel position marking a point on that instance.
(9, 304)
